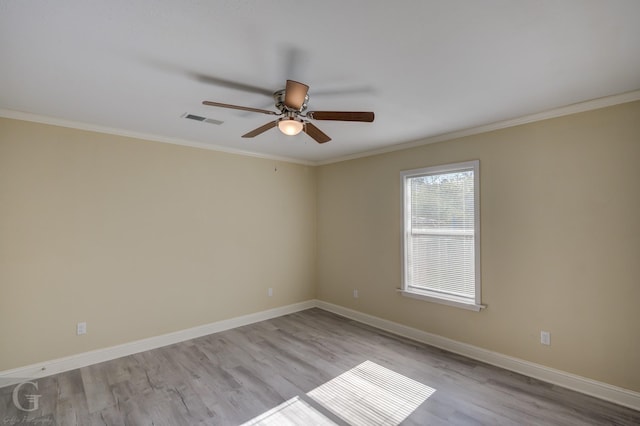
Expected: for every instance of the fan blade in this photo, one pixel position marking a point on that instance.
(295, 94)
(210, 79)
(260, 129)
(315, 133)
(363, 89)
(342, 115)
(218, 104)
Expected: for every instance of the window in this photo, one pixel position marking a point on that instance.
(441, 241)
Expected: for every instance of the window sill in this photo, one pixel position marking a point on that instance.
(444, 301)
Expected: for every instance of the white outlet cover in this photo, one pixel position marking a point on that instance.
(81, 328)
(545, 337)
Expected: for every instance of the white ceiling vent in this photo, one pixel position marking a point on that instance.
(200, 118)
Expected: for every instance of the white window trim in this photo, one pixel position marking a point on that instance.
(427, 295)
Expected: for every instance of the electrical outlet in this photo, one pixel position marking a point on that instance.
(545, 337)
(270, 292)
(355, 294)
(81, 328)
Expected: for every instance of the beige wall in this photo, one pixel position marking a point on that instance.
(560, 229)
(140, 238)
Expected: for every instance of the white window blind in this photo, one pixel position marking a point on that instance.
(440, 232)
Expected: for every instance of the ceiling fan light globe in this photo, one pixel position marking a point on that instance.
(290, 126)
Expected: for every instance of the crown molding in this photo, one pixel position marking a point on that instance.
(25, 116)
(593, 104)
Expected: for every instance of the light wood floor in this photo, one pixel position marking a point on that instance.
(234, 376)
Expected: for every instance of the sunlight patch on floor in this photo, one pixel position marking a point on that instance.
(292, 412)
(366, 395)
(370, 394)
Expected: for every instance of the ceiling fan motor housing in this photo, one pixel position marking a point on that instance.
(279, 96)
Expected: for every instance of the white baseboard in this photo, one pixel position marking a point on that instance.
(574, 382)
(584, 385)
(47, 368)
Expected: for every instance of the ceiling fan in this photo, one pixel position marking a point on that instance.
(292, 103)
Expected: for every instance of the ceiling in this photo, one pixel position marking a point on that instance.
(425, 67)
